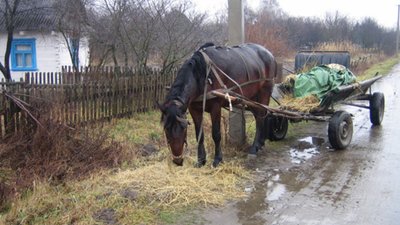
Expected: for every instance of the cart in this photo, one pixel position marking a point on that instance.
(340, 127)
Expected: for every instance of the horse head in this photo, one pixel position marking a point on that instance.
(175, 127)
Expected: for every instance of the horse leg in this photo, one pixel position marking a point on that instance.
(259, 138)
(259, 115)
(201, 152)
(216, 133)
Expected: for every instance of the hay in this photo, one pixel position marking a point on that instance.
(136, 196)
(290, 78)
(166, 185)
(305, 104)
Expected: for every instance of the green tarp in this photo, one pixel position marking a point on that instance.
(322, 79)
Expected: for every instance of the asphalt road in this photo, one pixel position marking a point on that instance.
(301, 180)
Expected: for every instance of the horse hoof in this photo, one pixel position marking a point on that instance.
(216, 163)
(254, 149)
(200, 164)
(251, 156)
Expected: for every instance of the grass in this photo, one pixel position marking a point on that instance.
(138, 130)
(144, 190)
(383, 68)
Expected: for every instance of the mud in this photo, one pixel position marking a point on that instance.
(301, 180)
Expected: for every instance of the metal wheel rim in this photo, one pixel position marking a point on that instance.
(344, 130)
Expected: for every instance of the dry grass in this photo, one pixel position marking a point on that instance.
(354, 49)
(361, 58)
(146, 190)
(166, 185)
(136, 196)
(48, 151)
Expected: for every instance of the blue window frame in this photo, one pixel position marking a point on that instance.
(23, 55)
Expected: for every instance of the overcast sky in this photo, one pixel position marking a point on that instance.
(383, 11)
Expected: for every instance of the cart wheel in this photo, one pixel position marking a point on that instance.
(376, 108)
(340, 130)
(277, 127)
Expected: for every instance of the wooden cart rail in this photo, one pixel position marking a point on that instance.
(275, 111)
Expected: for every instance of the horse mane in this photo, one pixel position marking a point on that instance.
(206, 45)
(194, 66)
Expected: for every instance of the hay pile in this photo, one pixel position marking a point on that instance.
(305, 104)
(145, 195)
(166, 185)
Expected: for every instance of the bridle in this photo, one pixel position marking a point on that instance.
(179, 103)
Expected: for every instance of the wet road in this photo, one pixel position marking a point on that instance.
(302, 181)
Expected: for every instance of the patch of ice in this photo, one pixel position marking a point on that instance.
(299, 156)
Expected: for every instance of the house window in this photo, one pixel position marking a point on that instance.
(23, 55)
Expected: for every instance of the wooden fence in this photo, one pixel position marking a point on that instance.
(91, 94)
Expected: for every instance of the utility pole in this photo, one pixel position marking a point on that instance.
(397, 34)
(237, 131)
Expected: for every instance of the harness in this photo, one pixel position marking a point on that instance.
(212, 67)
(179, 102)
(218, 72)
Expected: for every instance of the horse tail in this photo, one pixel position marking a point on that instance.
(273, 68)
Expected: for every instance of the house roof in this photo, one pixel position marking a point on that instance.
(31, 16)
(32, 22)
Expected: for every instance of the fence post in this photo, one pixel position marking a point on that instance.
(10, 110)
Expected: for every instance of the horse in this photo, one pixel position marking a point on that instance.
(248, 70)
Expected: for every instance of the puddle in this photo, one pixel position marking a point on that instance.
(275, 191)
(305, 149)
(316, 141)
(298, 156)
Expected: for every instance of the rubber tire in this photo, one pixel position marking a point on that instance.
(376, 108)
(277, 127)
(340, 130)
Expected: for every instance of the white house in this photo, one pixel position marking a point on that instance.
(38, 47)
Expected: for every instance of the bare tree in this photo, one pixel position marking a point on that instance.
(368, 33)
(338, 27)
(72, 23)
(107, 37)
(9, 12)
(140, 32)
(13, 14)
(264, 28)
(179, 34)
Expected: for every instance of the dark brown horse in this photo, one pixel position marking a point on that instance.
(250, 66)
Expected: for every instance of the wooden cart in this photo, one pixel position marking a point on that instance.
(340, 128)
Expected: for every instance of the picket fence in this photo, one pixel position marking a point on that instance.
(75, 97)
